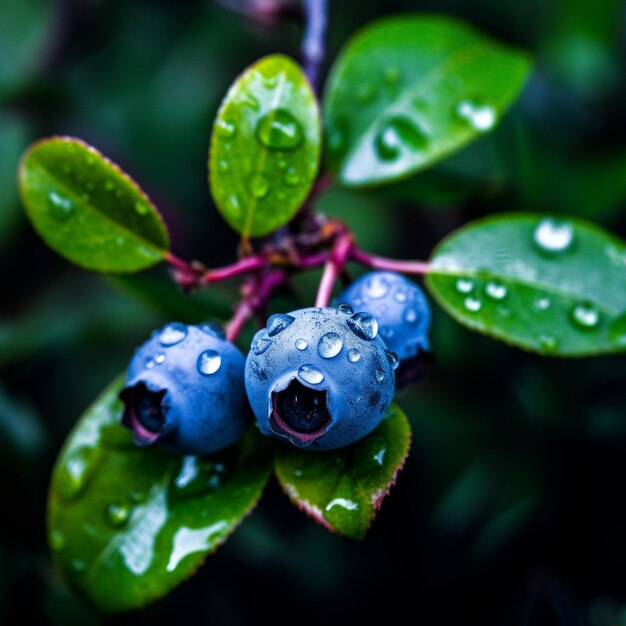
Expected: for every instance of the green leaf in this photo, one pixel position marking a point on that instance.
(552, 286)
(265, 147)
(342, 489)
(86, 209)
(128, 524)
(407, 91)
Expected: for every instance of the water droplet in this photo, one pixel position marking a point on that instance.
(249, 99)
(279, 130)
(61, 208)
(278, 322)
(260, 343)
(393, 359)
(400, 296)
(173, 333)
(392, 75)
(346, 308)
(78, 566)
(473, 305)
(585, 316)
(411, 315)
(141, 208)
(396, 135)
(380, 376)
(209, 362)
(329, 345)
(291, 177)
(76, 473)
(542, 304)
(258, 186)
(57, 540)
(363, 325)
(376, 287)
(495, 290)
(117, 515)
(311, 374)
(553, 236)
(109, 185)
(504, 311)
(481, 117)
(223, 165)
(379, 456)
(301, 344)
(353, 355)
(159, 357)
(463, 285)
(548, 343)
(225, 129)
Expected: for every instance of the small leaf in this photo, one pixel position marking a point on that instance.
(128, 524)
(86, 209)
(265, 147)
(342, 489)
(552, 286)
(407, 91)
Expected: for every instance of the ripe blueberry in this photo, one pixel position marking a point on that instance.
(319, 377)
(403, 314)
(185, 389)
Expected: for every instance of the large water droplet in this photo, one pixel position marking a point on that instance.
(553, 236)
(225, 129)
(258, 186)
(396, 135)
(585, 316)
(301, 344)
(363, 325)
(260, 344)
(411, 315)
(329, 345)
(279, 130)
(209, 362)
(310, 374)
(495, 290)
(393, 359)
(117, 515)
(61, 208)
(173, 333)
(463, 285)
(159, 358)
(473, 305)
(353, 355)
(481, 117)
(376, 287)
(278, 322)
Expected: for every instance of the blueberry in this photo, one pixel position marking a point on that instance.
(320, 377)
(403, 315)
(185, 389)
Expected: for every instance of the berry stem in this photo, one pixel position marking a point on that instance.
(394, 265)
(179, 264)
(313, 48)
(248, 264)
(333, 268)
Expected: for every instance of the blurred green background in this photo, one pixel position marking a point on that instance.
(509, 510)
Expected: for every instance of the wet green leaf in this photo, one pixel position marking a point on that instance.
(408, 90)
(342, 489)
(128, 524)
(552, 286)
(265, 147)
(86, 209)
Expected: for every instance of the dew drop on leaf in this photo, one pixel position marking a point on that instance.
(279, 130)
(398, 134)
(585, 316)
(258, 186)
(225, 129)
(464, 286)
(61, 208)
(291, 177)
(495, 290)
(117, 515)
(480, 117)
(473, 305)
(553, 236)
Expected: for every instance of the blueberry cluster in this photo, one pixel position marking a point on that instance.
(318, 378)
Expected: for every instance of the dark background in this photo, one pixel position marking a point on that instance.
(510, 509)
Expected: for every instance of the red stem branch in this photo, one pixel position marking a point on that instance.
(394, 265)
(333, 268)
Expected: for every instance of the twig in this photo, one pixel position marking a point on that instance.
(313, 49)
(394, 265)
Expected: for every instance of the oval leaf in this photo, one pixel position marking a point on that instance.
(127, 525)
(342, 489)
(408, 90)
(265, 147)
(86, 209)
(552, 286)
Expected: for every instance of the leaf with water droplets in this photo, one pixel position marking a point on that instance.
(89, 211)
(265, 147)
(343, 489)
(552, 286)
(408, 90)
(127, 525)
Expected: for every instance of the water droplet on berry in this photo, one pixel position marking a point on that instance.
(410, 315)
(277, 323)
(363, 325)
(353, 355)
(329, 345)
(376, 287)
(393, 359)
(209, 362)
(301, 344)
(380, 376)
(173, 333)
(346, 308)
(311, 374)
(279, 130)
(400, 296)
(159, 358)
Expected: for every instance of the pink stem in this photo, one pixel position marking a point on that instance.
(333, 269)
(179, 264)
(312, 261)
(249, 264)
(394, 265)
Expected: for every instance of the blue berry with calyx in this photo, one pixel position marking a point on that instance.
(320, 378)
(185, 390)
(403, 315)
